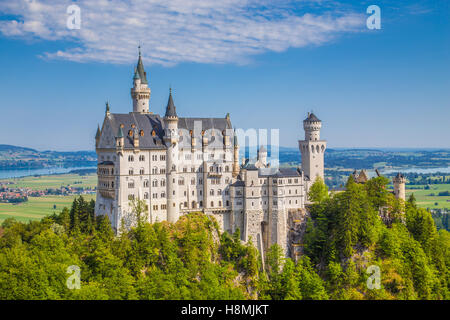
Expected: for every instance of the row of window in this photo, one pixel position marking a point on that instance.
(238, 193)
(265, 202)
(194, 204)
(188, 156)
(141, 158)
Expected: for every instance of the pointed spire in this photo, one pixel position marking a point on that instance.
(171, 109)
(107, 107)
(97, 135)
(140, 68)
(136, 74)
(235, 142)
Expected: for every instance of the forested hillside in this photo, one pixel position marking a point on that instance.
(193, 260)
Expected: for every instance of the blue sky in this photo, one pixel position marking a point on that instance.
(266, 63)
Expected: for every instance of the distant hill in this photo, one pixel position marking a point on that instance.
(10, 148)
(15, 157)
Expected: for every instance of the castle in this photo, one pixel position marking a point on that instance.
(179, 165)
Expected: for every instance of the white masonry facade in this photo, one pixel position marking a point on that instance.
(179, 165)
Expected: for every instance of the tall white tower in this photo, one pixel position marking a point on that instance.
(171, 139)
(312, 148)
(399, 186)
(140, 93)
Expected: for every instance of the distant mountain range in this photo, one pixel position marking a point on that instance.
(14, 157)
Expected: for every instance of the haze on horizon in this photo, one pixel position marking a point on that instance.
(265, 63)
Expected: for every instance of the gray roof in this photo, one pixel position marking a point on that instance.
(249, 164)
(279, 172)
(145, 122)
(171, 110)
(149, 122)
(312, 118)
(238, 183)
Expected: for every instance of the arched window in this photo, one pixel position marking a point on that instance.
(145, 183)
(130, 171)
(155, 170)
(141, 171)
(194, 204)
(130, 158)
(141, 158)
(163, 183)
(155, 183)
(211, 192)
(131, 184)
(146, 195)
(227, 168)
(212, 204)
(219, 192)
(220, 203)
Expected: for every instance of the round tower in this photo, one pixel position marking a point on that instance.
(171, 140)
(140, 93)
(312, 126)
(312, 148)
(399, 186)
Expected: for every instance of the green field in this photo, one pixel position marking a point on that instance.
(53, 181)
(423, 198)
(37, 208)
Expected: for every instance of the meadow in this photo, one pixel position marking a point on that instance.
(53, 181)
(425, 200)
(38, 207)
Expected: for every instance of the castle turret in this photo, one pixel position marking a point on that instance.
(399, 186)
(140, 93)
(120, 140)
(171, 140)
(107, 110)
(312, 148)
(136, 138)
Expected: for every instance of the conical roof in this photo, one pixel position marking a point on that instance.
(171, 109)
(312, 118)
(140, 69)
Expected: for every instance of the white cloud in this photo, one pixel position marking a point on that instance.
(174, 31)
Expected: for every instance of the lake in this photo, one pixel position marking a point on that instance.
(6, 174)
(418, 170)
